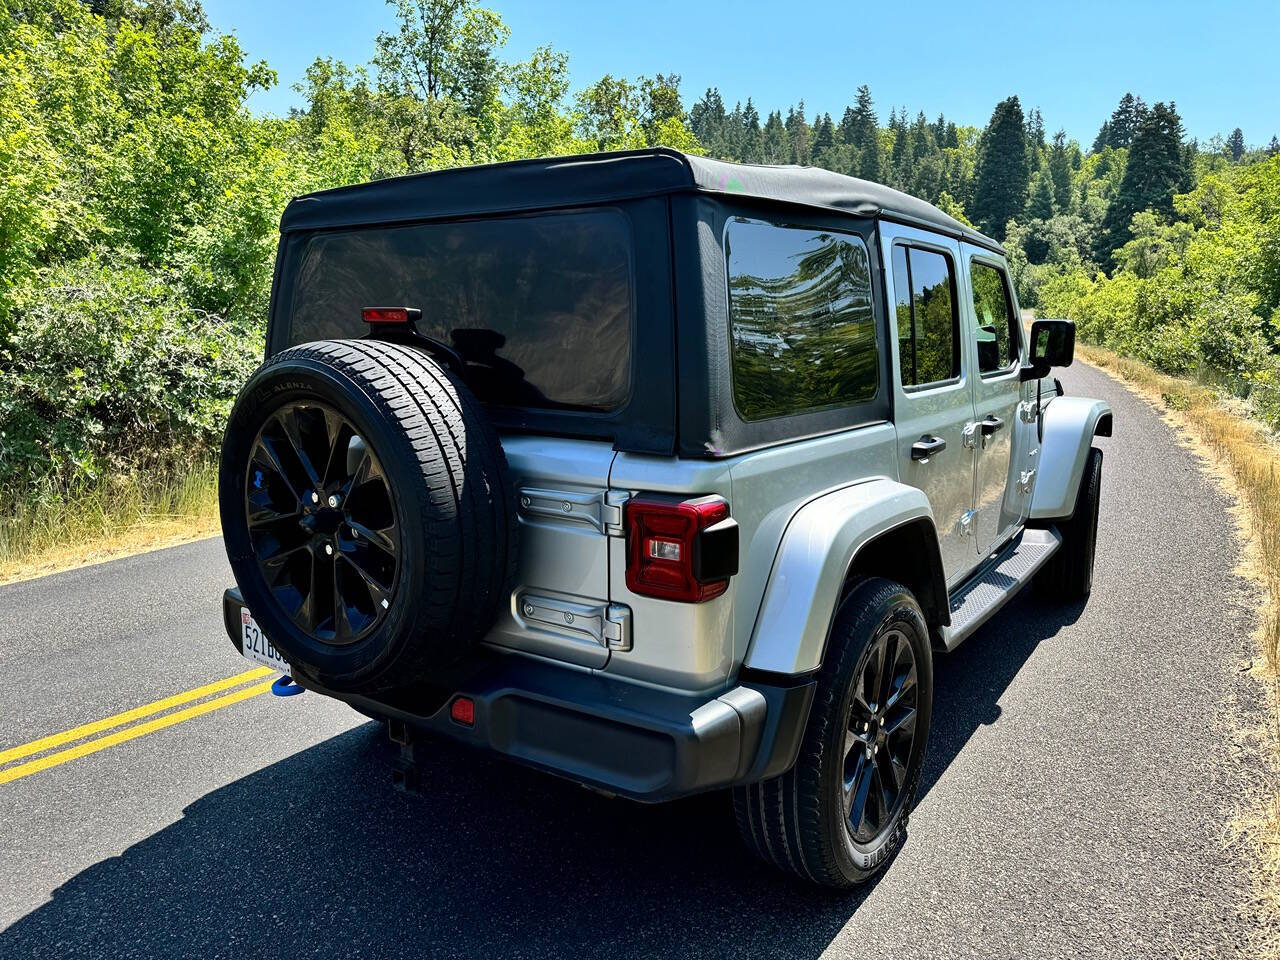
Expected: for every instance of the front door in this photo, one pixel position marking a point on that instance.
(933, 403)
(992, 324)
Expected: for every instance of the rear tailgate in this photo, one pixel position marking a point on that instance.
(560, 605)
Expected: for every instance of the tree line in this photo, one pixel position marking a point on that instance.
(140, 197)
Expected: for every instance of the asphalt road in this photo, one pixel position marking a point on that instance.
(1073, 801)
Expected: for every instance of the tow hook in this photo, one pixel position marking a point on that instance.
(286, 686)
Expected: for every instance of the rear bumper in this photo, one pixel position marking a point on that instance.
(639, 742)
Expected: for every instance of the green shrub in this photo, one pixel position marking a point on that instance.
(109, 369)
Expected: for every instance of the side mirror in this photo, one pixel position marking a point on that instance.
(988, 348)
(1053, 344)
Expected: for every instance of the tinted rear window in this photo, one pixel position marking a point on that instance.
(539, 307)
(928, 325)
(802, 324)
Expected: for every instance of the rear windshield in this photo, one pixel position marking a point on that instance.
(539, 307)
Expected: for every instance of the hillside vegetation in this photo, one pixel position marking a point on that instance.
(139, 203)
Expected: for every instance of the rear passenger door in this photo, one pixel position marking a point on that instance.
(995, 334)
(933, 404)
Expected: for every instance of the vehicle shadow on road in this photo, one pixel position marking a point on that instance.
(969, 682)
(317, 855)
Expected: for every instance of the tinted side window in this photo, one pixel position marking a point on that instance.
(928, 324)
(539, 307)
(997, 338)
(802, 323)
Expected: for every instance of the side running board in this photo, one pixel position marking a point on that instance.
(974, 603)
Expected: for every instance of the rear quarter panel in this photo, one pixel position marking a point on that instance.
(701, 646)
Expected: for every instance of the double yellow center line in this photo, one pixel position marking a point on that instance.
(20, 770)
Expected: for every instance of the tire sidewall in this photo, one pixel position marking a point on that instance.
(1091, 494)
(898, 610)
(272, 387)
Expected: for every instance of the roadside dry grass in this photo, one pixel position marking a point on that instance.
(100, 521)
(1246, 457)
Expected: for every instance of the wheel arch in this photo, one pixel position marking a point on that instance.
(878, 527)
(896, 554)
(1070, 424)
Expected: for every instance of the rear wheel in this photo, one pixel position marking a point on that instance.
(1068, 576)
(840, 813)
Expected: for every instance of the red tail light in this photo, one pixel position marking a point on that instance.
(680, 549)
(391, 314)
(463, 711)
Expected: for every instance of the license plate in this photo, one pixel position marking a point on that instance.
(255, 645)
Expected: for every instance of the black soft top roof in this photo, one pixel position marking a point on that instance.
(550, 182)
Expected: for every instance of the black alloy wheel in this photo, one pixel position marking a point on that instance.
(839, 815)
(879, 737)
(322, 522)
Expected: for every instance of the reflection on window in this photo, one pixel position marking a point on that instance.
(928, 325)
(997, 340)
(803, 326)
(539, 307)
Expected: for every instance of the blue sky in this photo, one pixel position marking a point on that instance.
(1219, 62)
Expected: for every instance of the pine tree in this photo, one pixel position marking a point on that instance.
(1103, 139)
(776, 146)
(922, 142)
(1235, 145)
(864, 123)
(1124, 122)
(824, 136)
(928, 177)
(1060, 171)
(845, 129)
(1041, 205)
(1035, 128)
(730, 143)
(865, 138)
(798, 134)
(1274, 146)
(706, 117)
(900, 160)
(1157, 169)
(871, 160)
(1002, 178)
(751, 135)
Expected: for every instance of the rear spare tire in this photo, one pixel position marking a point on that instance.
(368, 512)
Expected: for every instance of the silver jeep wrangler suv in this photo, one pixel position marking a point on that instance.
(658, 473)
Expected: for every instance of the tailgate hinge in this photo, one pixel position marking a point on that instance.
(601, 509)
(602, 623)
(617, 627)
(614, 503)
